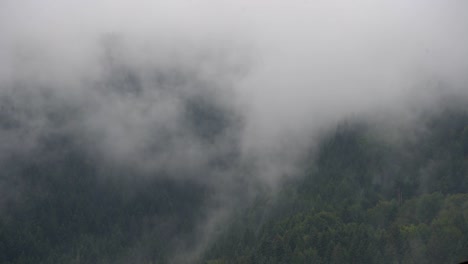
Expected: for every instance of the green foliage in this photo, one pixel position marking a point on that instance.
(363, 200)
(360, 199)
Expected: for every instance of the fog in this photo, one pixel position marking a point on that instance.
(125, 76)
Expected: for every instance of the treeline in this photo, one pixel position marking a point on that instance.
(364, 199)
(361, 198)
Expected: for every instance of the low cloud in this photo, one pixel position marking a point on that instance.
(227, 94)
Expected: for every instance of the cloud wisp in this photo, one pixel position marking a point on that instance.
(229, 94)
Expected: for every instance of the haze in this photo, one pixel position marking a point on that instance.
(282, 72)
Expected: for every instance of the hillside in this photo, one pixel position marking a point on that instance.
(360, 198)
(363, 199)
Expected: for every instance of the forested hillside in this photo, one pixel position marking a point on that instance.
(233, 132)
(62, 200)
(364, 199)
(360, 197)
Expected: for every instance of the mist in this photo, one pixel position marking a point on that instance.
(171, 89)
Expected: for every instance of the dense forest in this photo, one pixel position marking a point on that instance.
(361, 197)
(233, 132)
(64, 201)
(364, 199)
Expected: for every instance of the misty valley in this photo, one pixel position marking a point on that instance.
(358, 197)
(233, 132)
